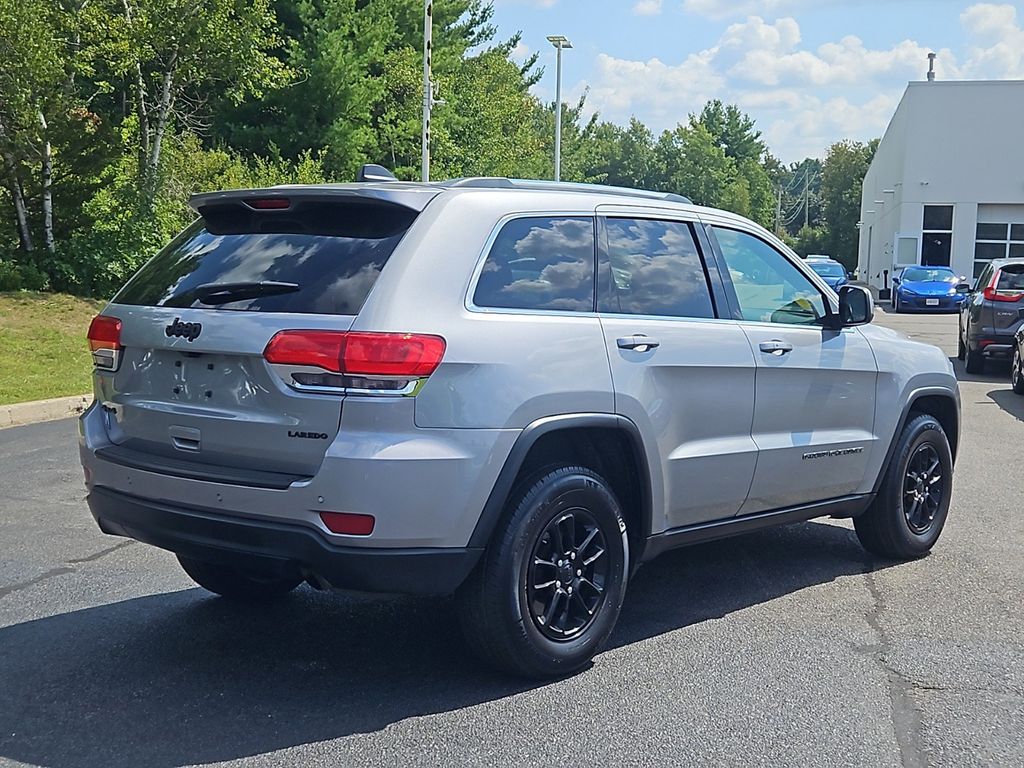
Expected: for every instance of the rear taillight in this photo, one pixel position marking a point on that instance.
(391, 354)
(991, 293)
(369, 361)
(105, 342)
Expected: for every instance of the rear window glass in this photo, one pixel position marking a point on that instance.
(828, 270)
(322, 258)
(540, 263)
(1011, 278)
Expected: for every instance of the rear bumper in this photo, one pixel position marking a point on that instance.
(280, 548)
(995, 344)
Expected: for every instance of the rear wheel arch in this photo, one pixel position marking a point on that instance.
(607, 444)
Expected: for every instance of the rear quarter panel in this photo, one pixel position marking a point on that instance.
(502, 369)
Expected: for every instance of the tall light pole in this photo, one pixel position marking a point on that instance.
(428, 88)
(560, 42)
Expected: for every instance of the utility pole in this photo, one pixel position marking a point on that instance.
(428, 88)
(778, 210)
(807, 197)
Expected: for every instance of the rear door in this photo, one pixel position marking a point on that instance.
(814, 399)
(683, 376)
(192, 384)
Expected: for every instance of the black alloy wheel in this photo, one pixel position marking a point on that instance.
(909, 511)
(923, 488)
(566, 582)
(547, 592)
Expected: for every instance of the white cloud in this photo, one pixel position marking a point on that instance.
(727, 9)
(803, 98)
(647, 7)
(997, 41)
(521, 52)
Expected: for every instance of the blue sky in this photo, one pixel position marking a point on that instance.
(810, 72)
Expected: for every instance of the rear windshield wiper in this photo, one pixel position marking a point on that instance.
(223, 293)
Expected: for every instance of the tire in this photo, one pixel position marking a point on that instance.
(974, 361)
(896, 303)
(893, 528)
(546, 632)
(235, 584)
(1016, 371)
(961, 348)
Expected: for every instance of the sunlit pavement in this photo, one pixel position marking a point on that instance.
(785, 647)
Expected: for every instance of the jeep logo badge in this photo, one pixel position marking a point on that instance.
(189, 331)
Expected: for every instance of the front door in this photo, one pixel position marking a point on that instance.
(814, 400)
(683, 376)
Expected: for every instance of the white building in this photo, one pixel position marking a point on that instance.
(947, 183)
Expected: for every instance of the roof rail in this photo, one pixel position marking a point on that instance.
(497, 182)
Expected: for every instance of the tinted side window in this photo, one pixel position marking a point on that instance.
(540, 262)
(769, 288)
(983, 278)
(656, 270)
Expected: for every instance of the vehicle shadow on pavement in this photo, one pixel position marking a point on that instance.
(183, 678)
(996, 372)
(1009, 401)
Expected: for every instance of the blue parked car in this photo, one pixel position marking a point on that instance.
(835, 274)
(936, 289)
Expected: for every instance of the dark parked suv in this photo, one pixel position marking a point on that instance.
(515, 391)
(992, 314)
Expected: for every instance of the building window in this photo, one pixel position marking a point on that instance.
(938, 218)
(997, 241)
(937, 235)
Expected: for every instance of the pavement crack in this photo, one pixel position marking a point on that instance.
(62, 569)
(102, 552)
(11, 589)
(906, 717)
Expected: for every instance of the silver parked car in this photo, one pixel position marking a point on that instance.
(515, 391)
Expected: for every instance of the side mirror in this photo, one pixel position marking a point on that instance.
(856, 307)
(963, 288)
(895, 281)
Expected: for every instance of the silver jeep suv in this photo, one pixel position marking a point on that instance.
(518, 392)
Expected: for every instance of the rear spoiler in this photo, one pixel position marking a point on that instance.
(411, 196)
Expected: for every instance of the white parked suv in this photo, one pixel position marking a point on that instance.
(518, 392)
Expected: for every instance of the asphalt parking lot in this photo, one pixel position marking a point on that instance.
(782, 647)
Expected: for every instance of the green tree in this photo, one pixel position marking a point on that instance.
(625, 156)
(842, 178)
(694, 164)
(733, 130)
(357, 89)
(173, 53)
(485, 127)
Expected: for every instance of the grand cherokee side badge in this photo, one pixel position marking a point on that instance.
(834, 452)
(189, 331)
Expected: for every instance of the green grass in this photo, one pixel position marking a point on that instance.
(43, 351)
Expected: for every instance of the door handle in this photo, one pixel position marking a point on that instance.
(637, 342)
(775, 347)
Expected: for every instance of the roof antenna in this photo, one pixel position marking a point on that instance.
(931, 67)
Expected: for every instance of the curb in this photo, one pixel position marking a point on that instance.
(19, 414)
